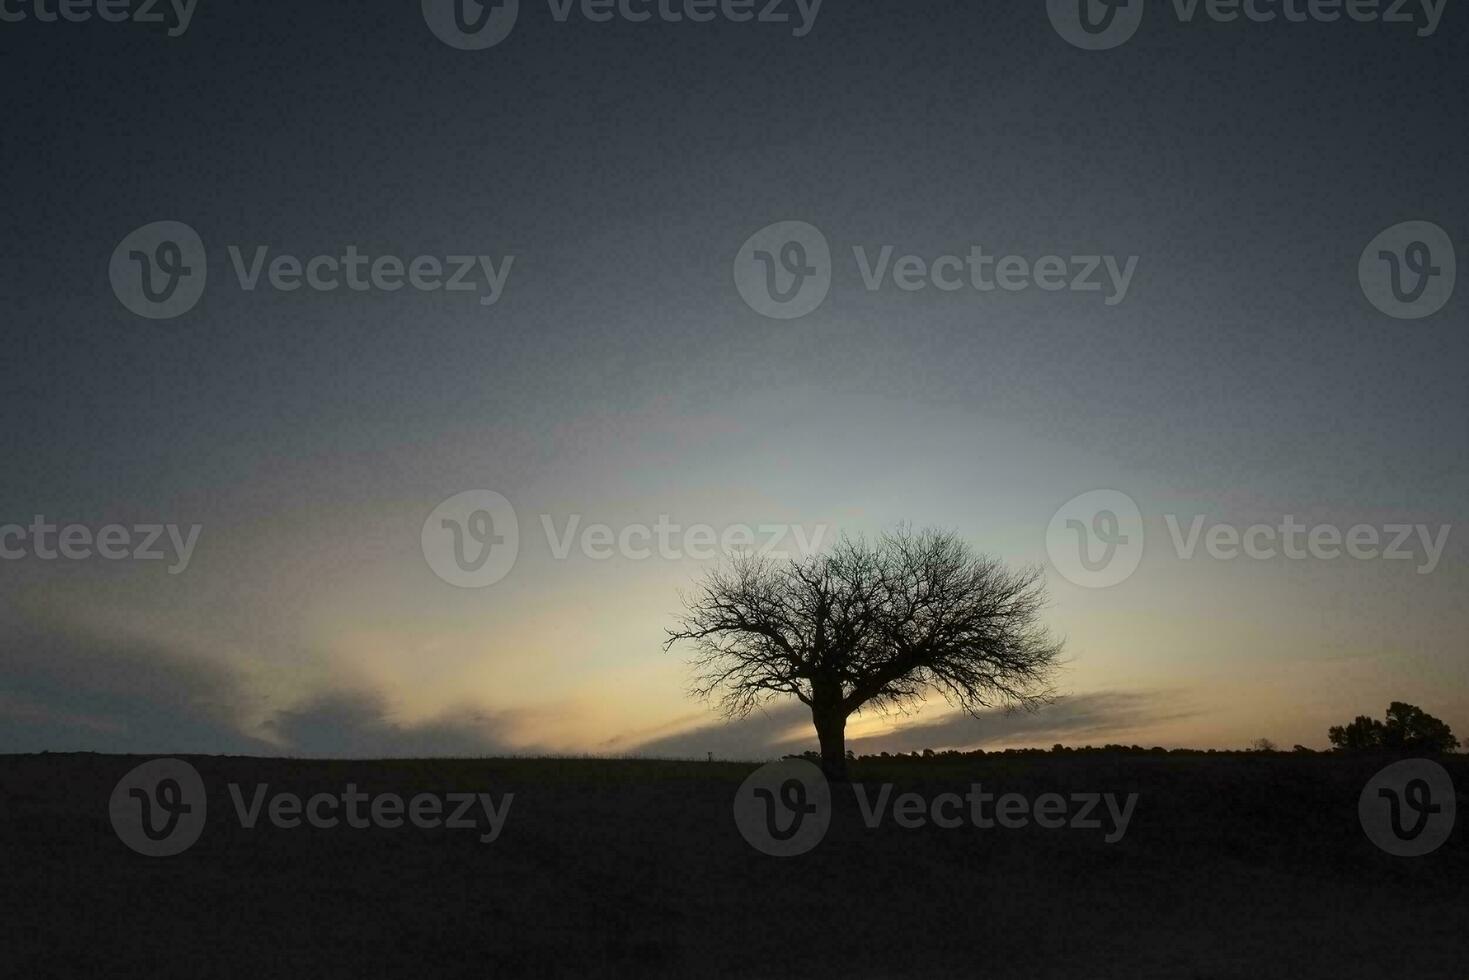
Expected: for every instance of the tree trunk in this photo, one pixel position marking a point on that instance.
(831, 731)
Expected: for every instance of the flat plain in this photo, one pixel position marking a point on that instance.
(1244, 865)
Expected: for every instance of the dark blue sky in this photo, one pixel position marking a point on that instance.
(620, 374)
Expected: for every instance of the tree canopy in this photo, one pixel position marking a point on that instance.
(879, 624)
(1408, 728)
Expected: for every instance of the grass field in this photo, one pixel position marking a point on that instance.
(1233, 866)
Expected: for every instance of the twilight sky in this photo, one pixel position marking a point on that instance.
(1243, 377)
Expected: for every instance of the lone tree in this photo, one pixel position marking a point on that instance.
(879, 625)
(1408, 729)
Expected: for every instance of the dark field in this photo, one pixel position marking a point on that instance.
(1234, 866)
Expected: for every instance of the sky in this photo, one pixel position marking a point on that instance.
(617, 177)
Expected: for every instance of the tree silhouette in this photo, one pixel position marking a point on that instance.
(880, 625)
(1408, 729)
(1362, 733)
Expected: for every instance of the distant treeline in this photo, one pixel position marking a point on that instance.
(1108, 749)
(1406, 729)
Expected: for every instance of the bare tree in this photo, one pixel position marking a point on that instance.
(870, 625)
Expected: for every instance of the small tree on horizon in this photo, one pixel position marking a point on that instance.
(1363, 733)
(878, 624)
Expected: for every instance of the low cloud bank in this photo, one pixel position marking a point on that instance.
(68, 691)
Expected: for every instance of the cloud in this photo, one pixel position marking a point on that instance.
(67, 691)
(71, 691)
(361, 723)
(773, 731)
(1095, 717)
(786, 728)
